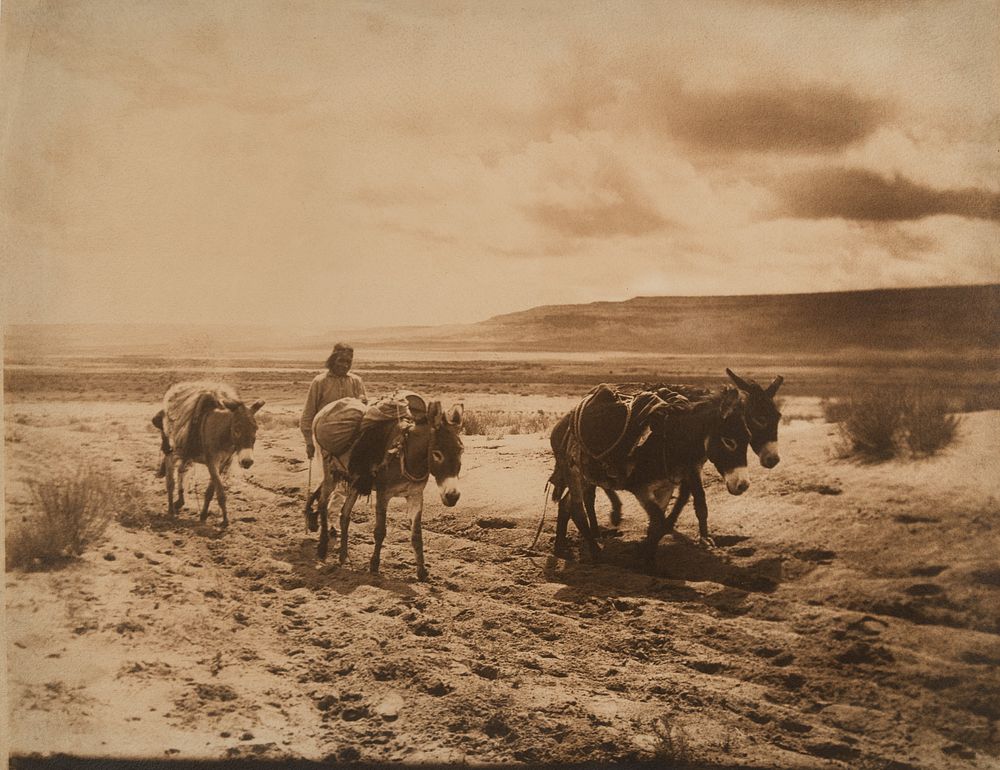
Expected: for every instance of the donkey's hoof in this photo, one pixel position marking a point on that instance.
(706, 542)
(422, 574)
(312, 519)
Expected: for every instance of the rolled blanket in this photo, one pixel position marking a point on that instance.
(338, 424)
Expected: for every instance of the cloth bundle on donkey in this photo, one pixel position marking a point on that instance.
(358, 438)
(381, 430)
(337, 425)
(184, 407)
(611, 423)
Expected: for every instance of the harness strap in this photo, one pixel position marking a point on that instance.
(578, 415)
(402, 462)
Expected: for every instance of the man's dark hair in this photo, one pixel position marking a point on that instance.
(338, 349)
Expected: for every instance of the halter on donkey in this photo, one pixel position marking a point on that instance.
(431, 446)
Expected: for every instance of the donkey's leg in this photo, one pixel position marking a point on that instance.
(701, 511)
(381, 508)
(321, 508)
(208, 499)
(171, 465)
(182, 470)
(562, 521)
(683, 494)
(576, 511)
(220, 491)
(616, 507)
(312, 516)
(345, 521)
(415, 506)
(654, 498)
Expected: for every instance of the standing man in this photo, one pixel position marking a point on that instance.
(337, 382)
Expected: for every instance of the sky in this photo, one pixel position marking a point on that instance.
(356, 164)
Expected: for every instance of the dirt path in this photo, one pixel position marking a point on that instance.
(849, 616)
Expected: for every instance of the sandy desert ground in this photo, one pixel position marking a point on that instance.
(849, 616)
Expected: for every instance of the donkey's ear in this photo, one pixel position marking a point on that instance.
(773, 387)
(232, 406)
(455, 414)
(434, 415)
(730, 400)
(740, 382)
(256, 405)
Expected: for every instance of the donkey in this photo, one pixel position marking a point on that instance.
(680, 441)
(762, 419)
(432, 446)
(210, 426)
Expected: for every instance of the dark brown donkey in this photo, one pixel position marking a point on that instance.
(681, 437)
(204, 423)
(432, 446)
(762, 419)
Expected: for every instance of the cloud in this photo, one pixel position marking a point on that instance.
(613, 207)
(789, 119)
(862, 195)
(586, 187)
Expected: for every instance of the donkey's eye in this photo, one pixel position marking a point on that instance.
(729, 444)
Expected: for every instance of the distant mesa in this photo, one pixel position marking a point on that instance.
(946, 319)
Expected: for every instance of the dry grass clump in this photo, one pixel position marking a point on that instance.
(70, 513)
(495, 423)
(269, 419)
(879, 425)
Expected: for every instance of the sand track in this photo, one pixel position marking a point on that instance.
(849, 616)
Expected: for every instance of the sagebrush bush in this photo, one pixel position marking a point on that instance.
(929, 424)
(872, 424)
(495, 423)
(268, 420)
(70, 513)
(878, 425)
(834, 410)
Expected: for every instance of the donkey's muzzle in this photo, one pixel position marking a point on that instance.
(451, 497)
(737, 481)
(769, 456)
(246, 462)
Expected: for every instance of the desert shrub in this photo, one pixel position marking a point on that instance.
(929, 424)
(872, 423)
(269, 420)
(70, 513)
(878, 425)
(495, 423)
(834, 410)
